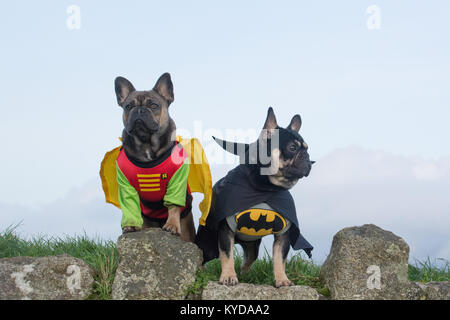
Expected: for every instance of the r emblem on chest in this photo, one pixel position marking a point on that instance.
(149, 182)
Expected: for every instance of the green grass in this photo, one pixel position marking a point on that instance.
(426, 271)
(298, 270)
(303, 272)
(102, 257)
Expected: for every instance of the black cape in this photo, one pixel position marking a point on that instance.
(242, 188)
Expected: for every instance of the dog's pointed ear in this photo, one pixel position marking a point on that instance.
(296, 123)
(270, 125)
(271, 121)
(164, 87)
(123, 89)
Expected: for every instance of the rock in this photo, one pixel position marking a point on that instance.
(435, 290)
(368, 262)
(45, 278)
(154, 264)
(247, 291)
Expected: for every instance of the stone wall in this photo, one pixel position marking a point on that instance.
(365, 262)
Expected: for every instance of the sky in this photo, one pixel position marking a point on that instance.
(373, 90)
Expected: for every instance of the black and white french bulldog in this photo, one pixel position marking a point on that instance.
(253, 201)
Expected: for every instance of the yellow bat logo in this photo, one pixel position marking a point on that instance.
(259, 222)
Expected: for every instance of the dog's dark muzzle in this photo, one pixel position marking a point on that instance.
(301, 166)
(142, 119)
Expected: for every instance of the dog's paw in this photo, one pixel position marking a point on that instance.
(130, 229)
(283, 282)
(228, 279)
(173, 228)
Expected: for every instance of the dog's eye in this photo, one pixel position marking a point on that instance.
(127, 107)
(154, 106)
(305, 145)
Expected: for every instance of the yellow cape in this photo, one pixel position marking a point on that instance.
(199, 178)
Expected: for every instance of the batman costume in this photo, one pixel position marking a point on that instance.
(241, 189)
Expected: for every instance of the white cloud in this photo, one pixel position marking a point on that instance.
(353, 186)
(349, 187)
(430, 171)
